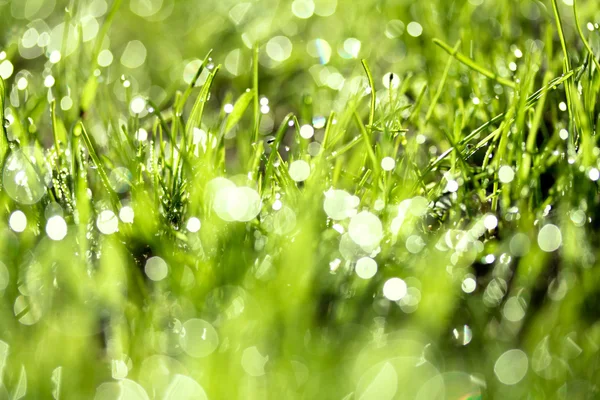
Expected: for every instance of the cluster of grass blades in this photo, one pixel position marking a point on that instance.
(432, 239)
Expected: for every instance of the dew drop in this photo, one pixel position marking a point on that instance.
(394, 289)
(299, 170)
(366, 268)
(199, 338)
(156, 269)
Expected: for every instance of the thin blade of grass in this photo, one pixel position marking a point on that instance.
(3, 133)
(195, 118)
(239, 108)
(473, 65)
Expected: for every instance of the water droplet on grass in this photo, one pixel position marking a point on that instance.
(394, 289)
(49, 81)
(138, 104)
(414, 29)
(469, 284)
(339, 204)
(463, 335)
(490, 222)
(303, 8)
(20, 178)
(27, 309)
(419, 206)
(394, 28)
(18, 221)
(193, 225)
(6, 69)
(391, 80)
(511, 367)
(55, 56)
(105, 58)
(134, 54)
(307, 131)
(366, 268)
(563, 134)
(514, 309)
(253, 362)
(506, 174)
(549, 238)
(199, 338)
(366, 229)
(119, 369)
(519, 244)
(184, 388)
(352, 47)
(388, 163)
(299, 170)
(414, 244)
(156, 269)
(279, 48)
(56, 228)
(107, 222)
(126, 214)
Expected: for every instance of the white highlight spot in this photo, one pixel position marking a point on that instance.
(307, 131)
(193, 225)
(137, 105)
(107, 222)
(141, 135)
(49, 81)
(549, 238)
(394, 289)
(414, 29)
(18, 221)
(299, 170)
(490, 222)
(156, 269)
(469, 285)
(366, 268)
(303, 8)
(279, 48)
(506, 174)
(339, 204)
(388, 163)
(6, 69)
(199, 338)
(253, 362)
(126, 214)
(56, 228)
(366, 230)
(55, 57)
(511, 367)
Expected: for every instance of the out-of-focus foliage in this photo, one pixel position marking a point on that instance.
(299, 199)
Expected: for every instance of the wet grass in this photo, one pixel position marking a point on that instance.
(164, 247)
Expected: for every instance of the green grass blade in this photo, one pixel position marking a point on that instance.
(372, 94)
(3, 133)
(583, 39)
(195, 118)
(239, 108)
(438, 92)
(80, 130)
(255, 89)
(473, 65)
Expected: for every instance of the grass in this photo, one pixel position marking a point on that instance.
(162, 238)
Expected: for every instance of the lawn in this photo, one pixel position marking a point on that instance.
(312, 199)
